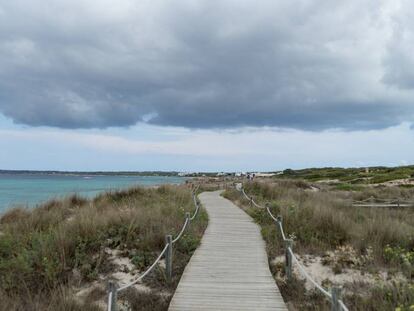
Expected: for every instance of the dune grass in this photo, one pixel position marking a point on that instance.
(324, 220)
(48, 251)
(372, 175)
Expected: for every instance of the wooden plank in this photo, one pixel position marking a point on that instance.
(230, 270)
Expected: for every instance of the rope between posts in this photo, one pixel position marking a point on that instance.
(383, 200)
(294, 258)
(301, 268)
(182, 231)
(281, 230)
(167, 245)
(148, 270)
(109, 301)
(305, 274)
(197, 207)
(270, 213)
(255, 204)
(277, 221)
(247, 197)
(251, 199)
(380, 200)
(365, 200)
(344, 308)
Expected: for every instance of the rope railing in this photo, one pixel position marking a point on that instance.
(391, 200)
(147, 271)
(282, 232)
(113, 288)
(307, 276)
(110, 300)
(334, 296)
(270, 213)
(342, 305)
(383, 202)
(195, 203)
(252, 202)
(187, 220)
(245, 195)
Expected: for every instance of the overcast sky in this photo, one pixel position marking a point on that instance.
(205, 84)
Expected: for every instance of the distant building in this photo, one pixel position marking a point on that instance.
(265, 174)
(182, 174)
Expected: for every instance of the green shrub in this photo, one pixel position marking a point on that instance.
(41, 248)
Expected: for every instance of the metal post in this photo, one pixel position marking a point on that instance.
(336, 296)
(187, 216)
(279, 219)
(113, 294)
(288, 258)
(168, 258)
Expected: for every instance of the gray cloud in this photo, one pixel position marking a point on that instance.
(319, 65)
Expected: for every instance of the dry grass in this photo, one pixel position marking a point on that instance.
(321, 221)
(61, 244)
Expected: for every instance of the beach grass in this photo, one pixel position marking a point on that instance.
(49, 252)
(322, 220)
(371, 175)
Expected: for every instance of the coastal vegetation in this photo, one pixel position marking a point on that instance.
(368, 251)
(60, 255)
(351, 176)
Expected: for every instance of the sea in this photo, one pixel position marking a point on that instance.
(28, 190)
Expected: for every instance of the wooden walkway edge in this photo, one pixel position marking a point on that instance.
(229, 271)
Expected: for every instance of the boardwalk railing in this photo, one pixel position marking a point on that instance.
(378, 202)
(114, 289)
(334, 295)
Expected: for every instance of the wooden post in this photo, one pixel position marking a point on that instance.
(336, 296)
(279, 219)
(168, 258)
(288, 258)
(251, 201)
(113, 290)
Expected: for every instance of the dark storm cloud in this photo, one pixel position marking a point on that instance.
(83, 64)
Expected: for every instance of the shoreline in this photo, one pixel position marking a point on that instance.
(44, 189)
(79, 245)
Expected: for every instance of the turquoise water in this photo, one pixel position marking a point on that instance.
(31, 189)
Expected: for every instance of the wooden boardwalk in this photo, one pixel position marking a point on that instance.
(229, 271)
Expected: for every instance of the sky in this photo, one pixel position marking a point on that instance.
(205, 85)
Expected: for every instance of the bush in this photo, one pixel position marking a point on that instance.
(324, 221)
(41, 248)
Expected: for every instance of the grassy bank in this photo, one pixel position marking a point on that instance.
(59, 256)
(324, 225)
(352, 176)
